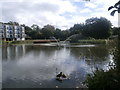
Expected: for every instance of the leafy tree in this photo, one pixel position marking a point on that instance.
(77, 28)
(12, 23)
(48, 31)
(36, 27)
(33, 34)
(65, 34)
(98, 28)
(115, 30)
(91, 20)
(28, 31)
(58, 34)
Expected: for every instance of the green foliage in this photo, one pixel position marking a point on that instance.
(98, 28)
(35, 27)
(17, 42)
(12, 23)
(48, 31)
(94, 41)
(65, 34)
(101, 79)
(76, 29)
(58, 34)
(35, 32)
(115, 30)
(77, 37)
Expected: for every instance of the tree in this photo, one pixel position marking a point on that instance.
(28, 31)
(115, 30)
(33, 34)
(36, 27)
(65, 34)
(98, 28)
(13, 23)
(58, 34)
(47, 31)
(77, 28)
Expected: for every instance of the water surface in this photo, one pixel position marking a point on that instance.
(36, 66)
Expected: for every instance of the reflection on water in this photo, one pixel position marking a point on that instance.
(35, 66)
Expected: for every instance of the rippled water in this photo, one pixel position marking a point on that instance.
(36, 66)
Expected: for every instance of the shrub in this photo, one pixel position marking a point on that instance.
(101, 79)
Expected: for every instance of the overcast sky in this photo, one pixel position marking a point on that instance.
(62, 14)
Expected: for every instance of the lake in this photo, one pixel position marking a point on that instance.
(36, 66)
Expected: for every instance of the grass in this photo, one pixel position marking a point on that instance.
(90, 41)
(16, 42)
(22, 42)
(95, 41)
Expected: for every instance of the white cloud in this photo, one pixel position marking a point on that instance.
(90, 5)
(40, 12)
(60, 13)
(86, 10)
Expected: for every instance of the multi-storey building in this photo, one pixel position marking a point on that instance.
(12, 32)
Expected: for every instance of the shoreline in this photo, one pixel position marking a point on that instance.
(99, 41)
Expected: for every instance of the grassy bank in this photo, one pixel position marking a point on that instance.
(96, 41)
(17, 42)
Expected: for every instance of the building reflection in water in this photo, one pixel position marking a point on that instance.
(13, 52)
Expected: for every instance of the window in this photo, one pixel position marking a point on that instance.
(18, 36)
(11, 36)
(11, 32)
(10, 27)
(17, 28)
(18, 32)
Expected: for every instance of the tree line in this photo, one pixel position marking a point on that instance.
(47, 32)
(97, 28)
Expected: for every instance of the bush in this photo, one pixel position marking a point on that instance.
(101, 79)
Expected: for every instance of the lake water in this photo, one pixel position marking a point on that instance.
(36, 66)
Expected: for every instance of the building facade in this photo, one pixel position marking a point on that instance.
(12, 32)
